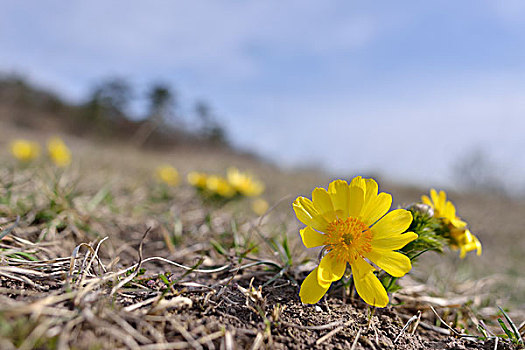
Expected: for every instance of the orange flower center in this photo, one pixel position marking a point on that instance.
(347, 239)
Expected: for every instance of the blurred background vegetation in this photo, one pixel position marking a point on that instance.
(106, 114)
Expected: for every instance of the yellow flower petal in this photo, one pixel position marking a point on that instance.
(323, 203)
(168, 174)
(467, 242)
(306, 213)
(449, 210)
(392, 224)
(442, 199)
(434, 196)
(367, 284)
(394, 263)
(358, 181)
(427, 201)
(244, 183)
(312, 238)
(394, 242)
(374, 205)
(371, 189)
(25, 150)
(340, 194)
(457, 222)
(197, 179)
(357, 199)
(444, 209)
(59, 152)
(311, 291)
(478, 246)
(357, 189)
(330, 269)
(376, 208)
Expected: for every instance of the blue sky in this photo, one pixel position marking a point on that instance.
(402, 88)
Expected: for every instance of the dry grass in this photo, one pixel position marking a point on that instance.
(100, 256)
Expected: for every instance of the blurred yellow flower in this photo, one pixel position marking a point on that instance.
(461, 237)
(443, 209)
(244, 183)
(58, 152)
(25, 150)
(465, 241)
(218, 185)
(197, 179)
(351, 222)
(259, 206)
(168, 175)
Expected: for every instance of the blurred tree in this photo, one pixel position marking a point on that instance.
(209, 129)
(107, 105)
(160, 115)
(112, 97)
(161, 103)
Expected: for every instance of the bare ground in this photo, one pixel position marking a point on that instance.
(78, 271)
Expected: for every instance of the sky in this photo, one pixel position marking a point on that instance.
(405, 89)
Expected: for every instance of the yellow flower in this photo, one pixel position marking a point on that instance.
(259, 206)
(197, 179)
(219, 185)
(443, 209)
(59, 152)
(465, 241)
(349, 221)
(461, 237)
(25, 150)
(168, 174)
(244, 183)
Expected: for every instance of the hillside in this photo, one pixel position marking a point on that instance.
(105, 115)
(104, 256)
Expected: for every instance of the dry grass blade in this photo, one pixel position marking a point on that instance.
(65, 335)
(414, 325)
(23, 279)
(85, 267)
(329, 335)
(185, 334)
(358, 335)
(166, 346)
(128, 328)
(37, 333)
(521, 329)
(136, 271)
(314, 328)
(443, 322)
(427, 326)
(411, 320)
(73, 259)
(10, 228)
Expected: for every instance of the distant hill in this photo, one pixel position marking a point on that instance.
(102, 115)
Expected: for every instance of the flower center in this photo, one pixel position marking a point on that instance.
(348, 239)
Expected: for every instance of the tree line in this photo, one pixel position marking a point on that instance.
(107, 112)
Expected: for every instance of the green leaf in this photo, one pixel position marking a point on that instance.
(505, 329)
(516, 333)
(165, 280)
(218, 247)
